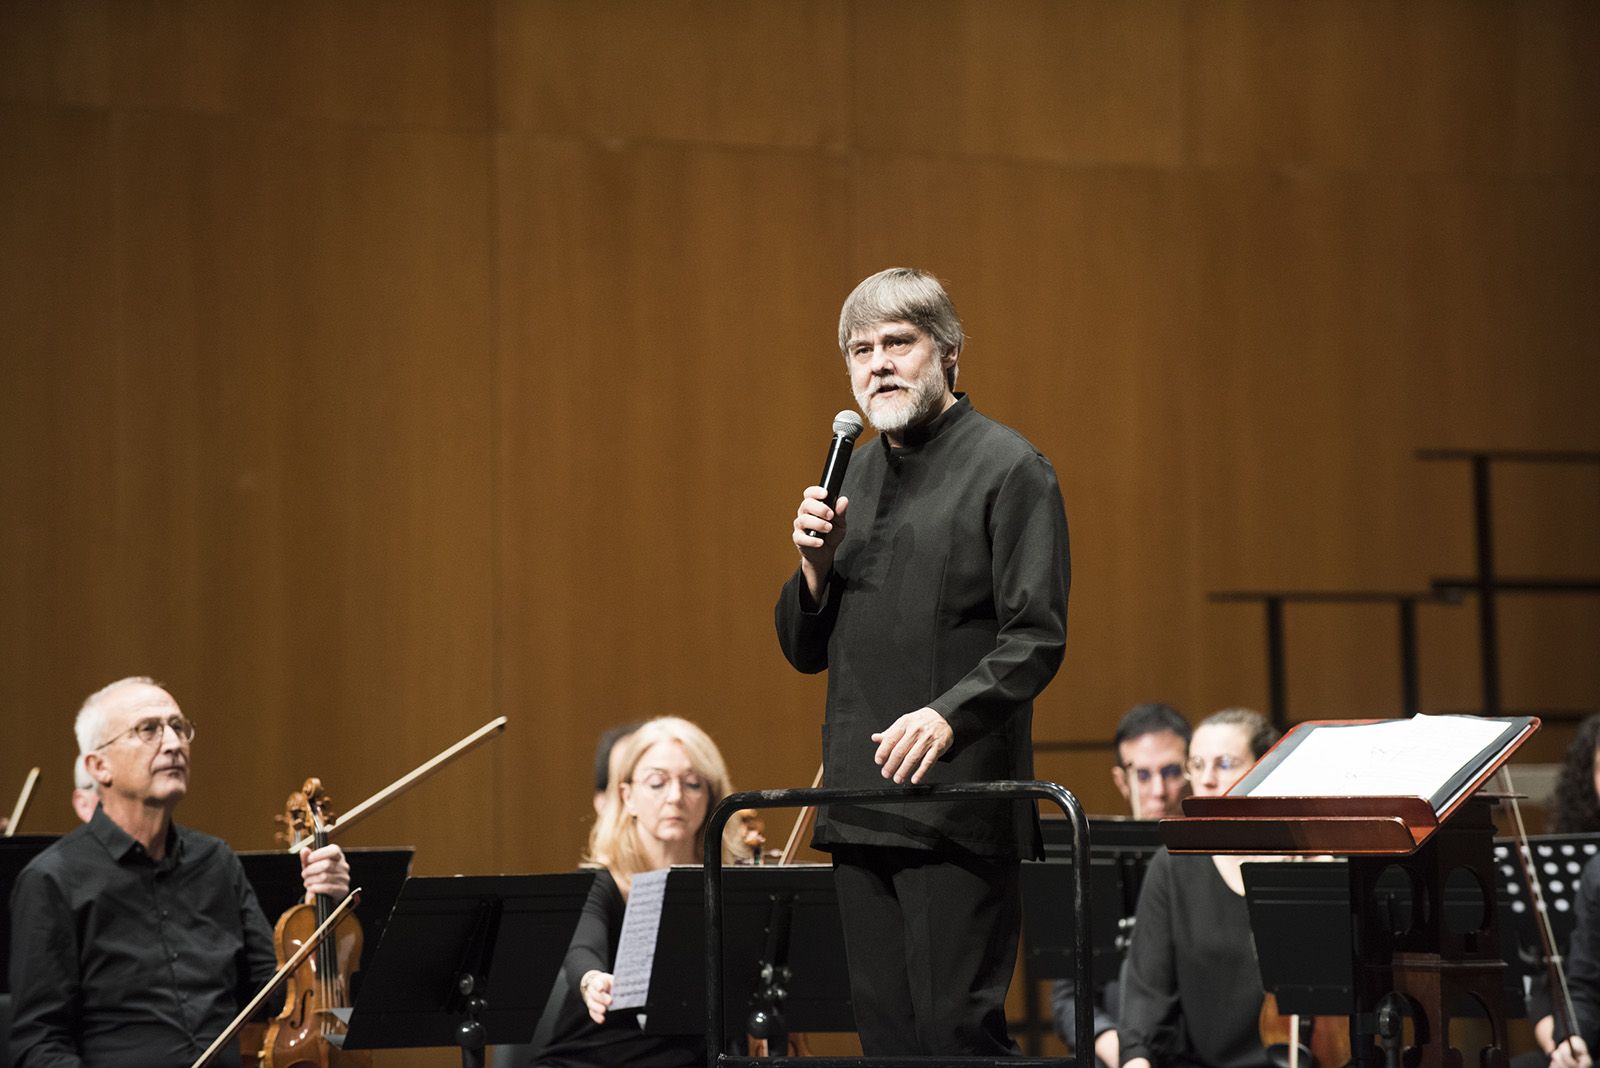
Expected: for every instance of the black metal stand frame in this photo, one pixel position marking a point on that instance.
(1274, 601)
(1486, 584)
(1008, 790)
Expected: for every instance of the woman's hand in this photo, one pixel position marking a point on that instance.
(595, 989)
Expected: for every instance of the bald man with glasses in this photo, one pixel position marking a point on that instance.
(135, 940)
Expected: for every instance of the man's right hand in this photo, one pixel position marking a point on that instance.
(1572, 1053)
(1105, 1047)
(818, 530)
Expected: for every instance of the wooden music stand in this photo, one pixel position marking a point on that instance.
(1424, 844)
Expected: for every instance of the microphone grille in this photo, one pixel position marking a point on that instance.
(847, 424)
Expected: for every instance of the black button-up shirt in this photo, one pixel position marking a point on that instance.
(948, 591)
(118, 959)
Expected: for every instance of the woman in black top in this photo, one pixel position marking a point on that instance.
(1576, 811)
(1192, 993)
(670, 776)
(1577, 803)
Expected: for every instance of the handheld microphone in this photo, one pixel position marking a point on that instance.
(846, 428)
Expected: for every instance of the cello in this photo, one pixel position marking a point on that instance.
(307, 1034)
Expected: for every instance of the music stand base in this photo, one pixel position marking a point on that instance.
(469, 1036)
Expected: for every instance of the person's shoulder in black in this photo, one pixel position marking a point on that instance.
(576, 1040)
(119, 957)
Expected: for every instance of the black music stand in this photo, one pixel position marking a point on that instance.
(1119, 851)
(467, 961)
(1300, 918)
(716, 1024)
(1434, 955)
(759, 901)
(1300, 915)
(16, 853)
(1558, 860)
(274, 874)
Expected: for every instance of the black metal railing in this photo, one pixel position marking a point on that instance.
(1083, 1047)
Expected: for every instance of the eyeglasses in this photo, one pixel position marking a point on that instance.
(1167, 772)
(150, 731)
(657, 784)
(1196, 767)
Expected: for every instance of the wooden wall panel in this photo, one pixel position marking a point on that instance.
(765, 73)
(1067, 83)
(305, 478)
(388, 367)
(1073, 292)
(57, 435)
(647, 486)
(1558, 87)
(53, 53)
(1430, 86)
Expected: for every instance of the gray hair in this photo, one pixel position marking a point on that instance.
(90, 723)
(904, 294)
(81, 779)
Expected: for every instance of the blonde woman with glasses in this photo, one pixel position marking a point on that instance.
(1192, 994)
(670, 776)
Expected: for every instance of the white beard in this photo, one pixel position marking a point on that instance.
(916, 401)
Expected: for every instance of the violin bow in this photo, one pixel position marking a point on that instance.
(1561, 1003)
(408, 780)
(278, 977)
(801, 822)
(22, 803)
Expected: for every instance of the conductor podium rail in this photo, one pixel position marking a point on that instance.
(990, 791)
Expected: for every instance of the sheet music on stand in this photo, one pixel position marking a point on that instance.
(666, 951)
(636, 947)
(1439, 846)
(1422, 756)
(1352, 787)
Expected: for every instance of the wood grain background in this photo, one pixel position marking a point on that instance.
(374, 369)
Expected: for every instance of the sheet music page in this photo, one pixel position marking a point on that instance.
(1396, 757)
(636, 949)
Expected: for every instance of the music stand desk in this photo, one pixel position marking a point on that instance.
(467, 961)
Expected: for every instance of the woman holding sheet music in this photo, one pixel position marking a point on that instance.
(670, 776)
(1192, 992)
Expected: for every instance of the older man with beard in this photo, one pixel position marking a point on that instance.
(939, 612)
(134, 940)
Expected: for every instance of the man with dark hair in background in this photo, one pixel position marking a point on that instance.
(605, 751)
(1152, 744)
(939, 615)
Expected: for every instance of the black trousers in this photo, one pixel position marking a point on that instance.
(931, 942)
